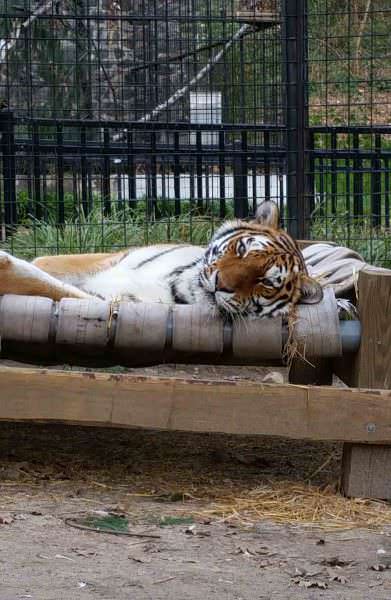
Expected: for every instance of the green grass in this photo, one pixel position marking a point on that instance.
(127, 227)
(373, 244)
(98, 233)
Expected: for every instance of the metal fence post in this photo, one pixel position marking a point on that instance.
(9, 170)
(296, 115)
(240, 177)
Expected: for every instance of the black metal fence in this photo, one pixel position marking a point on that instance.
(153, 120)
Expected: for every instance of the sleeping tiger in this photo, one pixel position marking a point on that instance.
(251, 268)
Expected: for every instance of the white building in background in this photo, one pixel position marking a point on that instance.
(205, 109)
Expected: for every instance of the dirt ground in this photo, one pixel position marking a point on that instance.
(165, 483)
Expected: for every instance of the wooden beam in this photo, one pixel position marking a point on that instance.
(371, 366)
(365, 469)
(242, 407)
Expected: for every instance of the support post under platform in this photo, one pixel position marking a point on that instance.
(366, 468)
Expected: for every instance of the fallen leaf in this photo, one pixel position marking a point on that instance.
(191, 530)
(263, 564)
(6, 520)
(336, 576)
(335, 561)
(384, 556)
(245, 551)
(378, 567)
(309, 583)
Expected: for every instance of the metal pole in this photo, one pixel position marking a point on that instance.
(296, 114)
(9, 169)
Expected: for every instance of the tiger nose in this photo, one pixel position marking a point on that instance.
(221, 287)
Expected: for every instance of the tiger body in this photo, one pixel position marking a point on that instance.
(157, 273)
(248, 268)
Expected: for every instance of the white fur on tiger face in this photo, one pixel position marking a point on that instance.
(251, 268)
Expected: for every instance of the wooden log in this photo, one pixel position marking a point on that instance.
(312, 365)
(196, 329)
(365, 470)
(241, 407)
(140, 326)
(252, 333)
(26, 318)
(133, 333)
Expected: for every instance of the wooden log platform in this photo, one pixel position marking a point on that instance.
(129, 333)
(359, 416)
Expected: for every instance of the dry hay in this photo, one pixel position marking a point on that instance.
(298, 504)
(240, 479)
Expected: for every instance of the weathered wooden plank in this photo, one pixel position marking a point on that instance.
(242, 407)
(371, 366)
(365, 469)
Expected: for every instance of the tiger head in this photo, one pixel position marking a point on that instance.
(256, 268)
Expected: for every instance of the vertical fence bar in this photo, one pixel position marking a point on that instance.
(177, 175)
(153, 176)
(348, 197)
(387, 192)
(296, 113)
(267, 164)
(358, 187)
(83, 167)
(240, 177)
(254, 165)
(310, 145)
(9, 168)
(60, 174)
(376, 184)
(199, 170)
(131, 170)
(334, 181)
(222, 208)
(37, 206)
(106, 172)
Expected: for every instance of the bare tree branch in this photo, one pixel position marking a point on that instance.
(200, 75)
(7, 44)
(360, 35)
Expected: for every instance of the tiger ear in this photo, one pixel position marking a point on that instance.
(311, 290)
(268, 214)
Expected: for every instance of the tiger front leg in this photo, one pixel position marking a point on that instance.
(22, 278)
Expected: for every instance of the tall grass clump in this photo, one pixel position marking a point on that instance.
(96, 232)
(374, 244)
